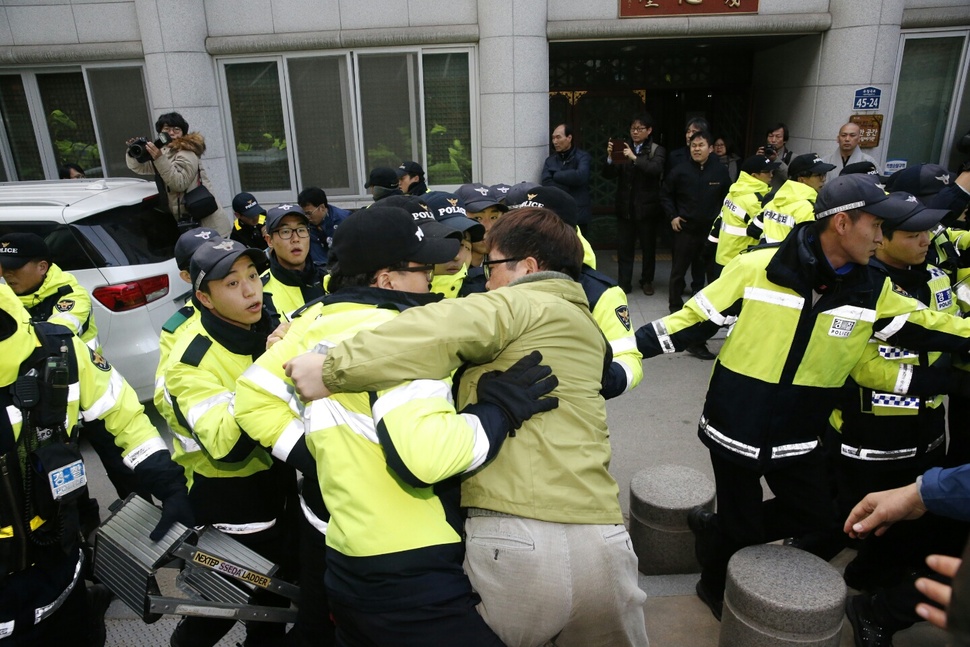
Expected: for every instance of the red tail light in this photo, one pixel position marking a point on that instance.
(128, 296)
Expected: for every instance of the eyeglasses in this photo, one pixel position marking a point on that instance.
(171, 129)
(427, 269)
(286, 233)
(487, 265)
(637, 129)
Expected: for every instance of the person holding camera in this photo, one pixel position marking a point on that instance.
(175, 161)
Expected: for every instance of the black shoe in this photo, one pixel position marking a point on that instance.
(647, 287)
(700, 351)
(714, 603)
(99, 599)
(866, 631)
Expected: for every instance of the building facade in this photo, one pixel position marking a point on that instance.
(297, 93)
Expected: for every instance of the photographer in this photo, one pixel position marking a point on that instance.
(174, 160)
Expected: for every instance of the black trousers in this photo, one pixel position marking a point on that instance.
(453, 622)
(627, 233)
(958, 447)
(688, 252)
(314, 626)
(801, 505)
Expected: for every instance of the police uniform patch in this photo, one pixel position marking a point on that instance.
(899, 290)
(944, 299)
(841, 327)
(99, 361)
(64, 305)
(623, 314)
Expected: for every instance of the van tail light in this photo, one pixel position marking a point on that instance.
(128, 296)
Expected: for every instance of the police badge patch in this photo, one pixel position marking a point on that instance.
(623, 314)
(99, 361)
(64, 305)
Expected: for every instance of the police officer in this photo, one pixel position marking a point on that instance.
(234, 485)
(247, 227)
(741, 206)
(292, 278)
(802, 313)
(794, 201)
(49, 379)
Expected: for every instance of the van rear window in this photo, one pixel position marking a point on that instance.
(129, 235)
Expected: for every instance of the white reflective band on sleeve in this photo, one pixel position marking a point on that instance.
(735, 209)
(892, 327)
(660, 329)
(159, 382)
(713, 239)
(15, 416)
(6, 629)
(188, 444)
(709, 310)
(623, 345)
(893, 400)
(94, 343)
(46, 611)
(108, 400)
(291, 435)
(852, 312)
(863, 454)
(73, 391)
(759, 223)
(143, 451)
(774, 298)
(480, 449)
(418, 389)
(795, 449)
(245, 528)
(314, 520)
(74, 321)
(729, 443)
(780, 218)
(904, 379)
(275, 386)
(734, 231)
(327, 413)
(167, 396)
(629, 376)
(894, 352)
(194, 414)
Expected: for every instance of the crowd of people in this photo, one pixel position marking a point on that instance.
(404, 406)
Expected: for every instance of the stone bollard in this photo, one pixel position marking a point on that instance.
(778, 596)
(660, 498)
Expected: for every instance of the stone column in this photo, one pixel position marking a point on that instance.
(181, 77)
(858, 51)
(513, 63)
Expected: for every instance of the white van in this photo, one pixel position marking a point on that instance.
(113, 237)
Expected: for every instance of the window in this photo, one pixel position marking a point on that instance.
(332, 118)
(931, 72)
(61, 116)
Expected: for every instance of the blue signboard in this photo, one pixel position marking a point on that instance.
(867, 98)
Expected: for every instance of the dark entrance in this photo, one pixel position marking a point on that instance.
(598, 86)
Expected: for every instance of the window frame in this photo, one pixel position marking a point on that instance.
(354, 135)
(962, 78)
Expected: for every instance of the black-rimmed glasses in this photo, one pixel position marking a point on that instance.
(487, 265)
(286, 232)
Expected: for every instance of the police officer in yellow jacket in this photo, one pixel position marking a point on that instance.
(802, 314)
(794, 202)
(293, 278)
(234, 485)
(741, 206)
(49, 379)
(394, 548)
(607, 301)
(46, 291)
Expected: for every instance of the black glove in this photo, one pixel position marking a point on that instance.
(518, 390)
(177, 507)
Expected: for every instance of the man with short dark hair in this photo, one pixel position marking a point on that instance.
(678, 156)
(292, 278)
(411, 179)
(802, 314)
(324, 219)
(568, 169)
(692, 196)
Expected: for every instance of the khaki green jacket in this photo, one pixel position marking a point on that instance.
(556, 467)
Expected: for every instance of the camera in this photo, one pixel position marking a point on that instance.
(137, 148)
(769, 150)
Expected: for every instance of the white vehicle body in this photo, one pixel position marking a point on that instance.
(110, 235)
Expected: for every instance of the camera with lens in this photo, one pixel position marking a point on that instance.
(769, 150)
(138, 150)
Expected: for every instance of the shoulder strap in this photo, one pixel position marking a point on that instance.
(196, 350)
